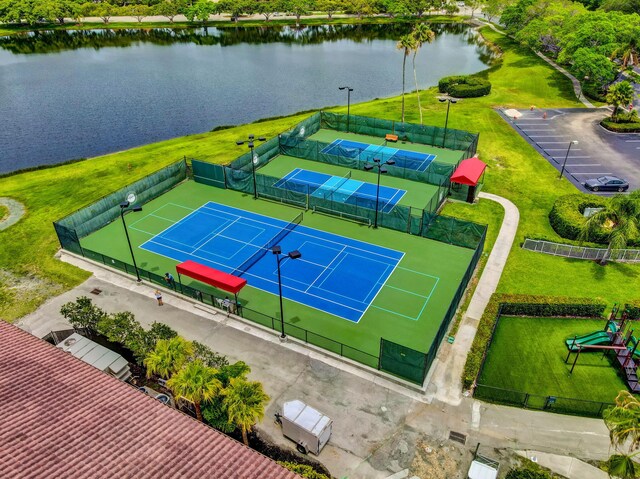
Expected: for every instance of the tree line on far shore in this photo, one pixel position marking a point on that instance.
(32, 12)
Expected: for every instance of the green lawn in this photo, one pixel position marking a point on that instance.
(408, 309)
(527, 354)
(516, 171)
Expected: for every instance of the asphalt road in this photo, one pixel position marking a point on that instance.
(598, 152)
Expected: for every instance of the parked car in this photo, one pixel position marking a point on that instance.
(607, 183)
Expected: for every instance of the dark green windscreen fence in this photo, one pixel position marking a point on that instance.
(401, 361)
(93, 217)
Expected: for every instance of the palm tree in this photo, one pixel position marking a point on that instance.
(621, 217)
(421, 34)
(245, 401)
(407, 43)
(619, 94)
(623, 422)
(627, 51)
(196, 383)
(168, 356)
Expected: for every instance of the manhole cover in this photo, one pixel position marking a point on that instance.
(458, 437)
(96, 291)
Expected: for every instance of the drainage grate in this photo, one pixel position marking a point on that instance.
(458, 437)
(96, 291)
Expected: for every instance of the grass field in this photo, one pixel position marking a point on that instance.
(418, 194)
(443, 155)
(408, 309)
(527, 354)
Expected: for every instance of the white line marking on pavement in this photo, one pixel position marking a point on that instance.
(591, 173)
(573, 157)
(549, 142)
(563, 149)
(584, 164)
(475, 415)
(632, 141)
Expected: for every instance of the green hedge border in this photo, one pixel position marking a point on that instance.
(464, 86)
(523, 305)
(566, 216)
(610, 125)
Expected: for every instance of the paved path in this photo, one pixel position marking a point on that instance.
(577, 87)
(447, 373)
(569, 467)
(377, 423)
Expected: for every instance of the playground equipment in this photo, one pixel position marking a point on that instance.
(613, 338)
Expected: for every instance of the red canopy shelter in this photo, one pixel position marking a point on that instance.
(468, 173)
(216, 278)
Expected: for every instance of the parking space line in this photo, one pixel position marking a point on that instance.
(591, 173)
(632, 141)
(563, 149)
(549, 142)
(549, 136)
(573, 157)
(538, 129)
(584, 164)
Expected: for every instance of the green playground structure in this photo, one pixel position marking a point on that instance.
(592, 339)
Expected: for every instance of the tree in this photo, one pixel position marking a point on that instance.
(201, 10)
(623, 422)
(245, 401)
(493, 9)
(621, 217)
(473, 5)
(406, 44)
(168, 357)
(83, 314)
(103, 10)
(628, 48)
(266, 8)
(625, 6)
(619, 94)
(597, 67)
(361, 7)
(139, 11)
(297, 7)
(208, 356)
(215, 410)
(421, 34)
(196, 383)
(330, 6)
(166, 9)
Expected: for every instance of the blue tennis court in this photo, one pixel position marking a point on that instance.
(335, 274)
(366, 152)
(340, 188)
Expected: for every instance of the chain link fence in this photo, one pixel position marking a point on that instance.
(582, 252)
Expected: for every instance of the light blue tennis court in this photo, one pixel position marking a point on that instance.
(404, 158)
(343, 189)
(335, 274)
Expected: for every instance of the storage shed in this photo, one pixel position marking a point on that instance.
(307, 427)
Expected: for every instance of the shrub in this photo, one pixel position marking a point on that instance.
(566, 216)
(633, 307)
(464, 86)
(527, 473)
(521, 304)
(620, 127)
(303, 470)
(83, 314)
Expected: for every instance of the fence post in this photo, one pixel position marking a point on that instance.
(525, 403)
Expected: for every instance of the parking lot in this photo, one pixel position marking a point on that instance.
(598, 152)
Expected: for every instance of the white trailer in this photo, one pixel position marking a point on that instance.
(307, 427)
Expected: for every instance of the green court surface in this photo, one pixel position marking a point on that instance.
(443, 155)
(408, 309)
(417, 194)
(527, 355)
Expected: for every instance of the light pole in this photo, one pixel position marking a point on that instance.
(349, 90)
(295, 254)
(446, 121)
(381, 170)
(564, 163)
(254, 160)
(123, 210)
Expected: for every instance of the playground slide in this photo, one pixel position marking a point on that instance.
(596, 338)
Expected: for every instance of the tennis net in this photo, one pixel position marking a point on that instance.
(337, 186)
(253, 259)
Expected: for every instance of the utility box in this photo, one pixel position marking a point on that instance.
(307, 427)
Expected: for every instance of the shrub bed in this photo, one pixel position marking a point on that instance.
(566, 216)
(633, 307)
(632, 127)
(522, 305)
(462, 86)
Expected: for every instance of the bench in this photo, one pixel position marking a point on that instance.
(390, 137)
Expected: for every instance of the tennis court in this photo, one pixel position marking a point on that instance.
(412, 160)
(335, 274)
(342, 189)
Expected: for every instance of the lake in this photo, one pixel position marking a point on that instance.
(77, 94)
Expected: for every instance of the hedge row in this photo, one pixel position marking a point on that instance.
(567, 216)
(633, 308)
(520, 304)
(620, 127)
(461, 86)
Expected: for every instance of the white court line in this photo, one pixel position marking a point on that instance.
(326, 267)
(382, 286)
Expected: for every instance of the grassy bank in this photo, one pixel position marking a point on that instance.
(516, 171)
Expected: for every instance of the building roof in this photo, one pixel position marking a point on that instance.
(64, 418)
(468, 172)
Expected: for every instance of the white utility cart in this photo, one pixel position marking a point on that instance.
(307, 427)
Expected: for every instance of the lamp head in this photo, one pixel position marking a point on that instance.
(383, 170)
(391, 161)
(124, 204)
(368, 167)
(350, 89)
(262, 138)
(376, 160)
(251, 137)
(442, 100)
(137, 208)
(295, 254)
(239, 142)
(276, 249)
(342, 87)
(250, 145)
(453, 100)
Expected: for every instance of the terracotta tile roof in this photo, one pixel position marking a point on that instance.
(60, 417)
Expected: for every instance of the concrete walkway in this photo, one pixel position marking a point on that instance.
(378, 424)
(577, 87)
(569, 467)
(446, 383)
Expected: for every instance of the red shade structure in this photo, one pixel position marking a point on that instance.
(468, 173)
(214, 277)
